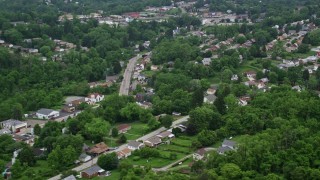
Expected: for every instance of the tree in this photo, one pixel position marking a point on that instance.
(200, 118)
(305, 75)
(114, 132)
(303, 48)
(108, 161)
(37, 129)
(166, 121)
(97, 129)
(122, 139)
(26, 156)
(207, 138)
(197, 97)
(197, 167)
(231, 171)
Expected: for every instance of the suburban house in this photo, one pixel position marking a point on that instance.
(226, 146)
(251, 75)
(72, 102)
(123, 128)
(84, 157)
(92, 172)
(243, 101)
(165, 134)
(153, 141)
(234, 77)
(211, 91)
(13, 125)
(94, 98)
(126, 152)
(206, 61)
(209, 98)
(47, 113)
(26, 138)
(199, 155)
(135, 145)
(98, 149)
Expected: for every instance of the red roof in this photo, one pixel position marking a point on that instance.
(123, 126)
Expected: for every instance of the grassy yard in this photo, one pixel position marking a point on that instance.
(180, 146)
(115, 174)
(137, 130)
(41, 169)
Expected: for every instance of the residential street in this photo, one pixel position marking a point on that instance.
(145, 137)
(125, 84)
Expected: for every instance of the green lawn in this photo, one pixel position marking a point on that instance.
(137, 130)
(41, 169)
(115, 174)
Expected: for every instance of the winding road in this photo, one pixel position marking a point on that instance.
(125, 84)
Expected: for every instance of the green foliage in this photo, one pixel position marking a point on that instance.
(122, 139)
(114, 132)
(108, 161)
(97, 129)
(166, 121)
(26, 156)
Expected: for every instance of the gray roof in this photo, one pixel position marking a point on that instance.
(223, 149)
(45, 111)
(83, 155)
(11, 122)
(70, 99)
(211, 97)
(71, 177)
(229, 143)
(154, 140)
(5, 131)
(92, 170)
(135, 144)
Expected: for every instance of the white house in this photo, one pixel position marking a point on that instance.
(94, 98)
(13, 125)
(209, 98)
(206, 61)
(135, 145)
(47, 113)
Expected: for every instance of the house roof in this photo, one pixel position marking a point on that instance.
(126, 151)
(154, 140)
(71, 177)
(211, 97)
(12, 122)
(38, 151)
(92, 170)
(45, 111)
(83, 156)
(164, 134)
(135, 144)
(223, 149)
(229, 143)
(5, 131)
(123, 126)
(70, 99)
(201, 151)
(98, 148)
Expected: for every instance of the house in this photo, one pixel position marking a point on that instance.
(199, 155)
(211, 91)
(153, 141)
(243, 101)
(209, 98)
(297, 88)
(251, 75)
(206, 61)
(135, 145)
(39, 152)
(126, 152)
(5, 131)
(261, 85)
(98, 149)
(234, 77)
(165, 134)
(94, 98)
(47, 114)
(92, 172)
(176, 114)
(84, 157)
(71, 177)
(13, 125)
(26, 138)
(154, 68)
(230, 144)
(227, 145)
(123, 128)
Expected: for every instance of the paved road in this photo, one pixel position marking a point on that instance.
(125, 84)
(145, 137)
